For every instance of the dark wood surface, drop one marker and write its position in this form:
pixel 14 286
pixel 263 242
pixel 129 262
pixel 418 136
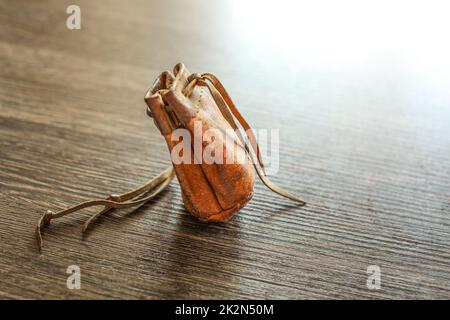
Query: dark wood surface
pixel 365 140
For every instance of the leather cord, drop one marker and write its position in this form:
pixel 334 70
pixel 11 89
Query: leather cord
pixel 126 200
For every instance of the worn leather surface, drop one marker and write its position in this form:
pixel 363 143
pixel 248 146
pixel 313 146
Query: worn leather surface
pixel 211 192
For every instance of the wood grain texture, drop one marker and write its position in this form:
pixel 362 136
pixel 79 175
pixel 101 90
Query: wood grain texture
pixel 367 145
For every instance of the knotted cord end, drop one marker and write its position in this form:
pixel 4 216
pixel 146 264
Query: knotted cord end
pixel 43 221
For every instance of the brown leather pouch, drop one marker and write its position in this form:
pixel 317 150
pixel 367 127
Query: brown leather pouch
pixel 210 191
pixel 213 187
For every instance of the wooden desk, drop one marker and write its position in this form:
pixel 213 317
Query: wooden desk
pixel 364 139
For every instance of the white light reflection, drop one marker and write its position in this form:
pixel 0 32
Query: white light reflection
pixel 346 31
